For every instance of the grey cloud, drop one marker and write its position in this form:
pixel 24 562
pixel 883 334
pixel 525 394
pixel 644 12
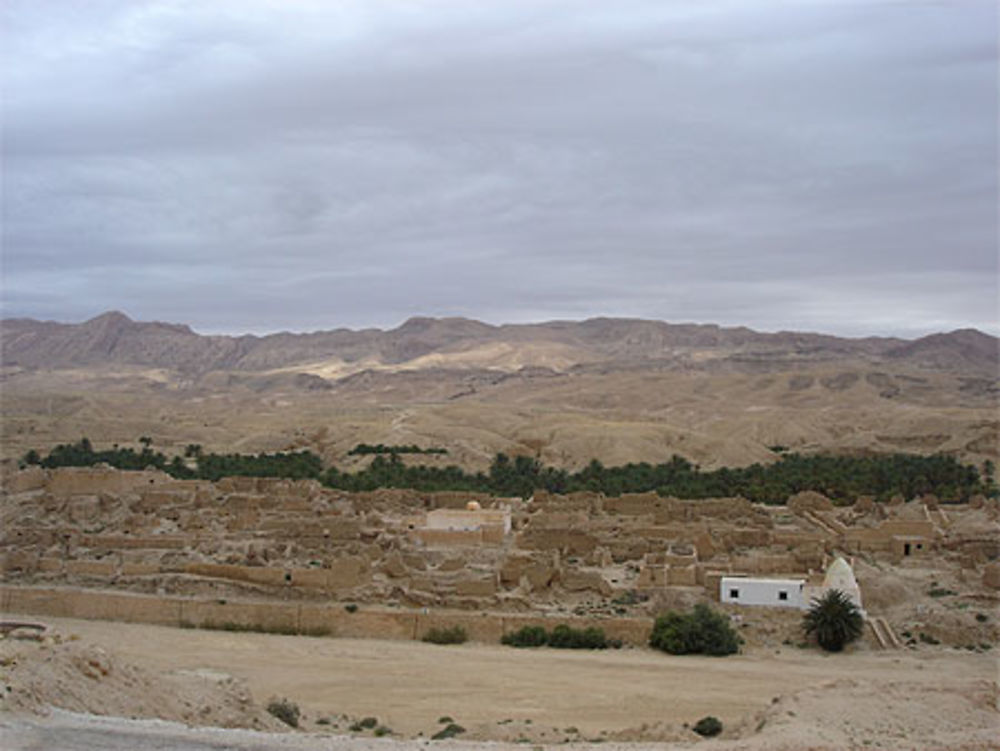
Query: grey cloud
pixel 239 165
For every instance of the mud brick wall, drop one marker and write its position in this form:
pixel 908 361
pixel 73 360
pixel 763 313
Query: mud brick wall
pixel 335 620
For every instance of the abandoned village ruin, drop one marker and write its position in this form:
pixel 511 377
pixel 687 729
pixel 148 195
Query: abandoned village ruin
pixel 294 555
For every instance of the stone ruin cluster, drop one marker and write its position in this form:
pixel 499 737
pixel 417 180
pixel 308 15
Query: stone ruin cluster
pixel 297 540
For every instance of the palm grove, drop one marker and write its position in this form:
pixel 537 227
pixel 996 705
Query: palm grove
pixel 841 478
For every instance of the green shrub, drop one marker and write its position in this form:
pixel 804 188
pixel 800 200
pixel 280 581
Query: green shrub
pixel 941 592
pixel 382 730
pixel 565 637
pixel 529 636
pixel 703 631
pixel 561 637
pixel 708 726
pixel 351 607
pixel 285 710
pixel 449 731
pixel 453 635
pixel 628 597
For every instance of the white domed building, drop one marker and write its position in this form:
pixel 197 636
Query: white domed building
pixel 839 575
pixel 790 593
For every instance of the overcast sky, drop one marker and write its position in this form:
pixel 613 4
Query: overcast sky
pixel 259 165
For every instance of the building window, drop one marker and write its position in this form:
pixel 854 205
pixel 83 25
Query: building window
pixel 782 595
pixel 734 594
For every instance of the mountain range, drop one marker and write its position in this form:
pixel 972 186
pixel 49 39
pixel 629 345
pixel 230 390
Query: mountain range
pixel 114 339
pixel 617 390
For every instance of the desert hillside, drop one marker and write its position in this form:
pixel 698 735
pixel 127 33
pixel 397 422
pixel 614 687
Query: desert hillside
pixel 614 389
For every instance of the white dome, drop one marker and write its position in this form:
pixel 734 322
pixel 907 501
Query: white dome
pixel 840 576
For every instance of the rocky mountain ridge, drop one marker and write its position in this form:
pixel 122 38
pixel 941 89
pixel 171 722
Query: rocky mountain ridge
pixel 433 343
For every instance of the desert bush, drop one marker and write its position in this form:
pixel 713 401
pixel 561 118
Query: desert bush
pixel 834 620
pixel 703 631
pixel 529 636
pixel 941 592
pixel 565 637
pixel 453 635
pixel 351 607
pixel 382 730
pixel 285 710
pixel 257 628
pixel 708 726
pixel 561 637
pixel 448 731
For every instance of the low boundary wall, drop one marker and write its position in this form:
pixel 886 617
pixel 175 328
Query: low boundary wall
pixel 366 623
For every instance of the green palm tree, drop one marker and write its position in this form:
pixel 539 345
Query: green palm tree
pixel 834 620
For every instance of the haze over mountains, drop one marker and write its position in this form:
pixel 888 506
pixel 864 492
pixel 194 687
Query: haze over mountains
pixel 614 389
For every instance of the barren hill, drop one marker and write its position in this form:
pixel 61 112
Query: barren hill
pixel 615 389
pixel 113 338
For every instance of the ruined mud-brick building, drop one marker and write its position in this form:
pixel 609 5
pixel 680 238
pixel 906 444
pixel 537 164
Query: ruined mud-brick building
pixel 299 541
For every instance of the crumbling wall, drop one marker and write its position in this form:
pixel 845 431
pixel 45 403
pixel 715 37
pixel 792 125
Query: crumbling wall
pixel 336 620
pixel 570 541
pixel 68 481
pixel 26 480
pixel 447 538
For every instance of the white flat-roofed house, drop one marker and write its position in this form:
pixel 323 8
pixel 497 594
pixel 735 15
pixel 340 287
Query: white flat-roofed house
pixel 775 593
pixel 790 593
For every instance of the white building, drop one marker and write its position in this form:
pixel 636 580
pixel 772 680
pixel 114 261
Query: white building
pixel 790 593
pixel 776 593
pixel 839 575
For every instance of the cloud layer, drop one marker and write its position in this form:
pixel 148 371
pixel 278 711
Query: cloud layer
pixel 264 164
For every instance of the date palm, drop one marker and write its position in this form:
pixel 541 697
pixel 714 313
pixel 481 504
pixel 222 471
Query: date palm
pixel 834 620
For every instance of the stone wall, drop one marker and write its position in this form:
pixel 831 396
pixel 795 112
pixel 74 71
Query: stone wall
pixel 447 538
pixel 69 481
pixel 336 620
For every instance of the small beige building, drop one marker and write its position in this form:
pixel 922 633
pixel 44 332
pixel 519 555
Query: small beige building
pixel 469 526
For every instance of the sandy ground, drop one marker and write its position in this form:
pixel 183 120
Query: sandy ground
pixel 768 699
